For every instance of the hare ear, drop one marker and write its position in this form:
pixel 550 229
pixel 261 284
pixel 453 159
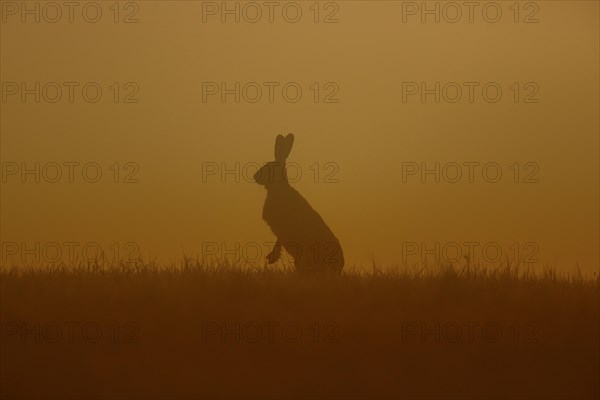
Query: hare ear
pixel 283 147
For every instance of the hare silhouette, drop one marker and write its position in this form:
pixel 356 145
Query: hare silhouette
pixel 299 229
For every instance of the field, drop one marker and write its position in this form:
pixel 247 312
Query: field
pixel 196 331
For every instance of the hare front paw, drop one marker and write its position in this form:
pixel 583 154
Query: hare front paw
pixel 273 256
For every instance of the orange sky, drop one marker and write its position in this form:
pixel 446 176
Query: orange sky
pixel 358 130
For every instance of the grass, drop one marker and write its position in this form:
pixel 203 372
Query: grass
pixel 190 329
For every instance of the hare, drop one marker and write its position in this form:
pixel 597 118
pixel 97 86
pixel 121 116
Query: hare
pixel 299 229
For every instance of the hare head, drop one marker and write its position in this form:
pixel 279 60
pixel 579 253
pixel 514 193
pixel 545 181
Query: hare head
pixel 274 172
